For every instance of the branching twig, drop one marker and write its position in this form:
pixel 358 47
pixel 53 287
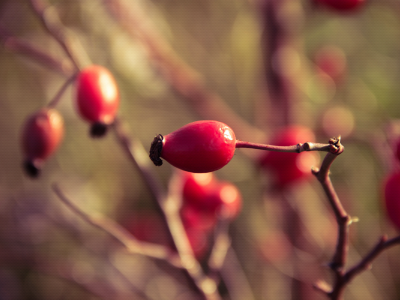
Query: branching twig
pixel 52 23
pixel 120 234
pixel 62 66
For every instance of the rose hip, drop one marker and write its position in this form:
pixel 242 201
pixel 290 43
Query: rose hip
pixel 42 134
pixel 198 147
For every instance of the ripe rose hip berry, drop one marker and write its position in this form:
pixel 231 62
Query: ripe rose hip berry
pixel 391 190
pixel 97 97
pixel 42 133
pixel 342 5
pixel 198 147
pixel 287 168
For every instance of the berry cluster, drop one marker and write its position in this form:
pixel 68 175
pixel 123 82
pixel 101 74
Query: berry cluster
pixel 97 100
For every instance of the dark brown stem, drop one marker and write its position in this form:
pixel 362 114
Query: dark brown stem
pixel 295 148
pixel 342 218
pixel 365 263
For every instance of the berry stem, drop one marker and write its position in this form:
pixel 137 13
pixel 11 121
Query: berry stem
pixel 294 148
pixel 61 92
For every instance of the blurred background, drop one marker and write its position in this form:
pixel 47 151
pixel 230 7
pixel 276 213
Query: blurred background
pixel 257 66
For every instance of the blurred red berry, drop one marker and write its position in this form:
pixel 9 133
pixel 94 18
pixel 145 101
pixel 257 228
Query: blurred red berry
pixel 97 97
pixel 391 189
pixel 197 187
pixel 342 5
pixel 204 194
pixel 331 60
pixel 198 147
pixel 147 227
pixel 42 134
pixel 285 167
pixel 227 200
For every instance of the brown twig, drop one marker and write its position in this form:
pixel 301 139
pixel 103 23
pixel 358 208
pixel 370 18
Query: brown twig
pixel 53 102
pixel 62 66
pixel 120 234
pixel 206 285
pixel 52 23
pixel 295 148
pixel 343 219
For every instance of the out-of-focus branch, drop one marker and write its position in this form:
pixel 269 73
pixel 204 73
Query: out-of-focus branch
pixel 52 23
pixel 188 83
pixel 120 234
pixel 61 91
pixel 13 44
pixel 205 284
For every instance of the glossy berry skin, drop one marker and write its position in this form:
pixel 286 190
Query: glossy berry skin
pixel 97 95
pixel 287 168
pixel 42 134
pixel 198 147
pixel 342 5
pixel 391 190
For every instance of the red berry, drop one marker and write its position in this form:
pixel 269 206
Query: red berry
pixel 204 195
pixel 41 136
pixel 147 227
pixel 193 217
pixel 331 60
pixel 198 147
pixel 392 198
pixel 97 97
pixel 196 188
pixel 290 167
pixel 342 5
pixel 227 200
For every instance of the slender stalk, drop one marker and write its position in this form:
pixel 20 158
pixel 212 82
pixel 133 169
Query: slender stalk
pixel 120 234
pixel 295 148
pixel 56 99
pixel 52 23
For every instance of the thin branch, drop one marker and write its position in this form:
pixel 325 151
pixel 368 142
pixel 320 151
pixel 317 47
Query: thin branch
pixel 294 148
pixel 365 263
pixel 13 44
pixel 61 91
pixel 137 155
pixel 343 219
pixel 52 23
pixel 120 234
pixel 206 285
